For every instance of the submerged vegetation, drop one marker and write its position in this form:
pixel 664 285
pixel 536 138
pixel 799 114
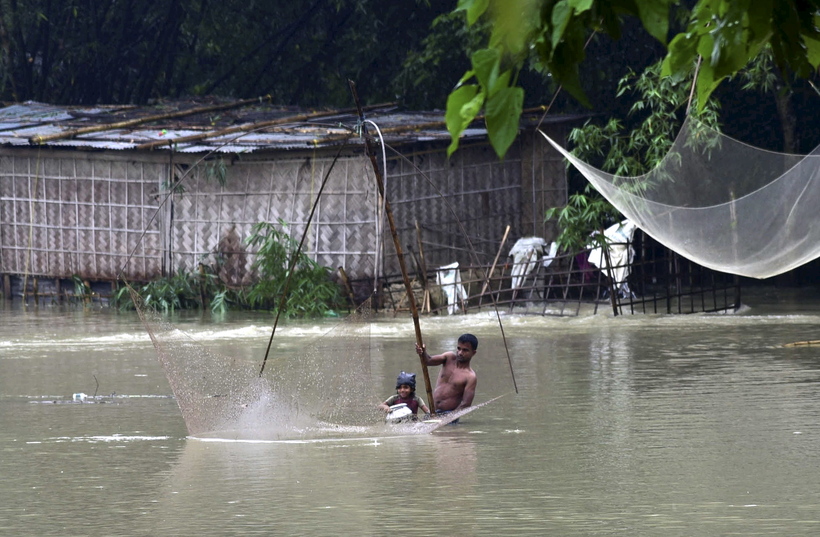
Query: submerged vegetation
pixel 309 292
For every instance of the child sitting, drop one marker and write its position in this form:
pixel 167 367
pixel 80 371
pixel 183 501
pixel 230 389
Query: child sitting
pixel 405 394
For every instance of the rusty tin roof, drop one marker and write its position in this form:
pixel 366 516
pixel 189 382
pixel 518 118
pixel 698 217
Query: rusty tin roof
pixel 216 126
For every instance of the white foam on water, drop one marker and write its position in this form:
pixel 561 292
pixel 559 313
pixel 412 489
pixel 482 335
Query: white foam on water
pixel 108 438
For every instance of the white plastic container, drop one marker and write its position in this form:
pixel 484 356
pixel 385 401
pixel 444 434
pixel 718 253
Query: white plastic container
pixel 399 412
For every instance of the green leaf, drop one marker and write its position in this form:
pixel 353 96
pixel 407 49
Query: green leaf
pixel 654 15
pixel 563 64
pixel 501 82
pixel 474 9
pixel 561 14
pixel 706 84
pixel 486 64
pixel 580 6
pixel 454 117
pixel 759 15
pixel 503 113
pixel 568 76
pixel 812 50
pixel 678 61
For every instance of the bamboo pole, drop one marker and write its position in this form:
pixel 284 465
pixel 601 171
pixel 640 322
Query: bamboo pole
pixel 423 269
pixel 422 279
pixel 389 212
pixel 810 343
pixel 438 124
pixel 495 261
pixel 258 125
pixel 610 271
pixel 40 139
pixel 295 257
pixel 348 288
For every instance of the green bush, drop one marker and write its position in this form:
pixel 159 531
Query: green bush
pixel 310 292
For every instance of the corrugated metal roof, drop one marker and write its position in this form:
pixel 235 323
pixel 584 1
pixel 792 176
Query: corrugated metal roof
pixel 201 127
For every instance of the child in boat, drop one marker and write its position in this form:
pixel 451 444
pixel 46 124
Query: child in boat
pixel 405 394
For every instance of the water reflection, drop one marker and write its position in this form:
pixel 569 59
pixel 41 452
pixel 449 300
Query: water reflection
pixel 327 487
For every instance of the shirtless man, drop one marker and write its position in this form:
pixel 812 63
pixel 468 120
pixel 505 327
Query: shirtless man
pixel 455 387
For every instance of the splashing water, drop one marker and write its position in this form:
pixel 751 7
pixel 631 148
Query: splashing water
pixel 323 390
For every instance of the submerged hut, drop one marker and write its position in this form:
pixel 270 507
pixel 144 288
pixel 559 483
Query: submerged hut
pixel 98 193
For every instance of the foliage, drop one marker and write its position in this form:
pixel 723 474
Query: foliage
pixel 585 211
pixel 309 292
pixel 726 34
pixel 180 291
pixel 657 112
pixel 442 53
pixel 217 171
pixel 81 288
pixel 299 52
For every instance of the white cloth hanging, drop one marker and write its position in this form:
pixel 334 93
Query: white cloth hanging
pixel 448 278
pixel 527 252
pixel 619 241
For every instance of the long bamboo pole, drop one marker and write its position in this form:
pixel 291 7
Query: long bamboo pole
pixel 40 139
pixel 430 125
pixel 423 270
pixel 295 257
pixel 258 125
pixel 495 261
pixel 389 212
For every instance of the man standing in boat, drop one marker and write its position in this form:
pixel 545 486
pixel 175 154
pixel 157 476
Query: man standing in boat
pixel 455 387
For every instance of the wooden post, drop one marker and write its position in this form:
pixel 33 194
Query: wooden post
pixel 389 212
pixel 201 286
pixel 495 261
pixel 423 270
pixel 609 270
pixel 348 288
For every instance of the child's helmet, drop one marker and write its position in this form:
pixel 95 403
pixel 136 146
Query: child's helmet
pixel 406 378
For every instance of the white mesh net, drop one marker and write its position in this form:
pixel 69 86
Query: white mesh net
pixel 723 204
pixel 322 389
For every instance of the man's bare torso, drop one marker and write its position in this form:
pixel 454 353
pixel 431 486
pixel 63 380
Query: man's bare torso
pixel 452 381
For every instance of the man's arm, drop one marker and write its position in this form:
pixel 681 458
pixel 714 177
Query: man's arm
pixel 469 393
pixel 438 359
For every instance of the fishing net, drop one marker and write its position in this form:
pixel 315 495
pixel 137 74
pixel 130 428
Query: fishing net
pixel 721 203
pixel 321 389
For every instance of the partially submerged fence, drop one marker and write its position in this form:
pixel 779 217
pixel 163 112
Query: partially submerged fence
pixel 659 282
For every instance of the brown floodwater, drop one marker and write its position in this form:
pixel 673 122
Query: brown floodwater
pixel 696 425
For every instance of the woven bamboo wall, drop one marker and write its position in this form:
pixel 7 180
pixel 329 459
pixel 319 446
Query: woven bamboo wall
pixel 85 213
pixel 473 194
pixel 211 222
pixel 543 181
pixel 78 215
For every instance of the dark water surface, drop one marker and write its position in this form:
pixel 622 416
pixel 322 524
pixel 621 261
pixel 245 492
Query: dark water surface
pixel 648 425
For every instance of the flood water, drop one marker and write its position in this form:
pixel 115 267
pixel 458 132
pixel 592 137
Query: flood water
pixel 697 425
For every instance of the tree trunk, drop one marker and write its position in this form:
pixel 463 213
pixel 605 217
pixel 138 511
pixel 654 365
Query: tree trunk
pixel 788 120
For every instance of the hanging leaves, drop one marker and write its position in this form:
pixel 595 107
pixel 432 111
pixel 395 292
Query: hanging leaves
pixel 726 34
